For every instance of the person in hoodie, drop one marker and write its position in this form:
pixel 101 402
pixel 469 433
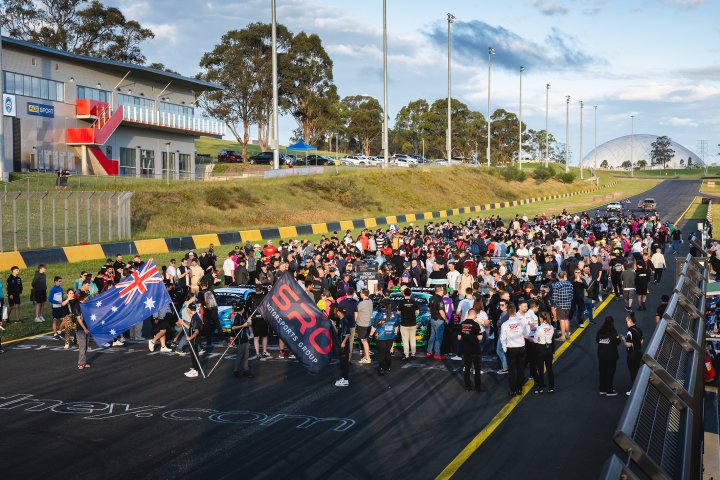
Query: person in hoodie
pixel 608 342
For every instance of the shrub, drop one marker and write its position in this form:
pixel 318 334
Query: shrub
pixel 543 173
pixel 568 177
pixel 513 173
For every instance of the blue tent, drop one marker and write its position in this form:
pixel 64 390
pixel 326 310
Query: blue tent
pixel 301 146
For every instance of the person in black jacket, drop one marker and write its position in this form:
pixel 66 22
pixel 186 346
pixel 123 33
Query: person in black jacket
pixel 39 292
pixel 608 341
pixel 633 343
pixel 14 290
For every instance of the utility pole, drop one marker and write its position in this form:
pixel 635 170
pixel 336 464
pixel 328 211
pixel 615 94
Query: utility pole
pixel 581 139
pixel 385 91
pixel 520 129
pixel 632 145
pixel 595 147
pixel 448 142
pixel 567 133
pixel 491 52
pixel 547 150
pixel 275 130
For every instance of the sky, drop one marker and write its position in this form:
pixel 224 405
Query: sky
pixel 656 60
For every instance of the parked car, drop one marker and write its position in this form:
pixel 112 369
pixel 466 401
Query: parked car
pixel 404 160
pixel 319 160
pixel 614 207
pixel 420 159
pixel 356 160
pixel 423 319
pixel 265 158
pixel 229 156
pixel 226 298
pixel 647 205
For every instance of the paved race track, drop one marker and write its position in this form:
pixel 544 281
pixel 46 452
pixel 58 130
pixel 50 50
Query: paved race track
pixel 134 414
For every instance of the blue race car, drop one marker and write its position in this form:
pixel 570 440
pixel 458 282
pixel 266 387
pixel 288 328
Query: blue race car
pixel 226 297
pixel 423 318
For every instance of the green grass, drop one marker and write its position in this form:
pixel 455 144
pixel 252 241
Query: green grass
pixel 705 188
pixel 698 210
pixel 683 173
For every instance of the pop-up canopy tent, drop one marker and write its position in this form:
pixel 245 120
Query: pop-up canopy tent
pixel 301 146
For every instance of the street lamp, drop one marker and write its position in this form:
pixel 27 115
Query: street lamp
pixel 567 133
pixel 522 69
pixel 547 96
pixel 581 139
pixel 385 90
pixel 491 52
pixel 632 144
pixel 595 143
pixel 275 130
pixel 448 143
pixel 167 161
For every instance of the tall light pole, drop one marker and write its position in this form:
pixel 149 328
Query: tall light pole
pixel 4 175
pixel 520 129
pixel 491 52
pixel 385 90
pixel 275 130
pixel 632 144
pixel 547 150
pixel 567 133
pixel 448 141
pixel 581 139
pixel 595 143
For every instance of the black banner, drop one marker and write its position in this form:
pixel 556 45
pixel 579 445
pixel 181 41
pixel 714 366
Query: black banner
pixel 298 322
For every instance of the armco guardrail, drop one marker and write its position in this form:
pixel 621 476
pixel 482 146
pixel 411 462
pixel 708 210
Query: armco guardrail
pixel 661 429
pixel 98 251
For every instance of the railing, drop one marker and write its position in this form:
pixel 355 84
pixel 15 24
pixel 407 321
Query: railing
pixel 661 429
pixel 150 116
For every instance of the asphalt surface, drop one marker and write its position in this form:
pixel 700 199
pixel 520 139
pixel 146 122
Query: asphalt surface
pixel 134 413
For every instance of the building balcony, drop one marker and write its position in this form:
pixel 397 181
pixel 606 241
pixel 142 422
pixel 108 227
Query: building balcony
pixel 172 121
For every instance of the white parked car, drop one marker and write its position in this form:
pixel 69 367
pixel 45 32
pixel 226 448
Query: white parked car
pixel 614 207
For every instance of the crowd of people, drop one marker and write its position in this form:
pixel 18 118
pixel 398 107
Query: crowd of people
pixel 511 289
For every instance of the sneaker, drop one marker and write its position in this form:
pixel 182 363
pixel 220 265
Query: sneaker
pixel 201 352
pixel 281 355
pixel 180 353
pixel 119 343
pixel 611 394
pixel 106 345
pixel 266 355
pixel 39 320
pixel 364 361
pixel 56 335
pixel 165 350
pixel 438 357
pixel 2 329
pixel 581 325
pixel 552 390
pixel 429 355
pixel 628 393
pixel 86 365
pixel 602 393
pixel 191 374
pixel 291 356
pixel 42 318
pixel 342 383
pixel 67 345
pixel 151 345
pixel 455 357
pixel 538 390
pixel 503 371
pixel 81 366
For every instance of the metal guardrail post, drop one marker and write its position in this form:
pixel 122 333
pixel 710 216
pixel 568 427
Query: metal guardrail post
pixel 77 218
pixel 89 219
pixel 14 208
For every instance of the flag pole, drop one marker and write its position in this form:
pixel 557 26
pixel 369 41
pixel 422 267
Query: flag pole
pixel 187 336
pixel 232 342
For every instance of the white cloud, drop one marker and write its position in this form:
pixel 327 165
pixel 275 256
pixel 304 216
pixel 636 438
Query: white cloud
pixel 685 4
pixel 680 122
pixel 655 92
pixel 165 32
pixel 550 9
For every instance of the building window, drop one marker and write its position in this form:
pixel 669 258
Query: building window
pixel 176 109
pixel 168 167
pixel 127 162
pixel 184 160
pixel 29 86
pixel 93 94
pixel 133 101
pixel 147 163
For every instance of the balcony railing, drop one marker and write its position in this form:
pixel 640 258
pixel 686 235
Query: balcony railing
pixel 150 116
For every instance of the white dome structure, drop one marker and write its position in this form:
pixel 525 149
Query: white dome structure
pixel 619 150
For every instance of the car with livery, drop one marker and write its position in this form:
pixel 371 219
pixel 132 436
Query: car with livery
pixel 423 319
pixel 226 298
pixel 647 205
pixel 614 207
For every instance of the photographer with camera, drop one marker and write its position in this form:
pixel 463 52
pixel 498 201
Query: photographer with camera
pixel 242 340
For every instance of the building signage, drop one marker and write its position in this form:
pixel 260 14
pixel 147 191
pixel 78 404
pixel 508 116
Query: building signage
pixel 40 110
pixel 9 105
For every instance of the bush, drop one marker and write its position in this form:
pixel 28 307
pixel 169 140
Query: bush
pixel 543 173
pixel 566 177
pixel 513 173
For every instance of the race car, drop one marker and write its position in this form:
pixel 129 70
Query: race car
pixel 225 298
pixel 614 207
pixel 647 205
pixel 423 319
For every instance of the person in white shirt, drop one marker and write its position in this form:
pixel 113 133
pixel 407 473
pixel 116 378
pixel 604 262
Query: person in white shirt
pixel 465 305
pixel 453 277
pixel 544 354
pixel 229 269
pixel 172 270
pixel 512 338
pixel 658 261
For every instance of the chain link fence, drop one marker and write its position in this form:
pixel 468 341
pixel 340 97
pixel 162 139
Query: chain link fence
pixel 40 219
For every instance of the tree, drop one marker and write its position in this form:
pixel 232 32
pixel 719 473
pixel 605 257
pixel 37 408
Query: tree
pixel 604 164
pixel 504 143
pixel 689 162
pixel 76 26
pixel 240 64
pixel 534 143
pixel 682 162
pixel 409 127
pixel 162 67
pixel 642 163
pixel 661 151
pixel 626 165
pixel 365 120
pixel 307 85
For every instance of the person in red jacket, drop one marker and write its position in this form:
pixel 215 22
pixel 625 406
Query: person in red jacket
pixel 269 249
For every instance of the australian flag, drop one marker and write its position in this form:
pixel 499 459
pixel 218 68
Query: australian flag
pixel 125 304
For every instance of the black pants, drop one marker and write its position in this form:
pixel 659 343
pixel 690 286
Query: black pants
pixel 577 308
pixel 617 286
pixel 544 358
pixel 658 274
pixel 531 359
pixel 383 351
pixel 607 374
pixel 194 354
pixel 634 360
pixel 472 361
pixel 345 361
pixel 516 365
pixel 212 322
